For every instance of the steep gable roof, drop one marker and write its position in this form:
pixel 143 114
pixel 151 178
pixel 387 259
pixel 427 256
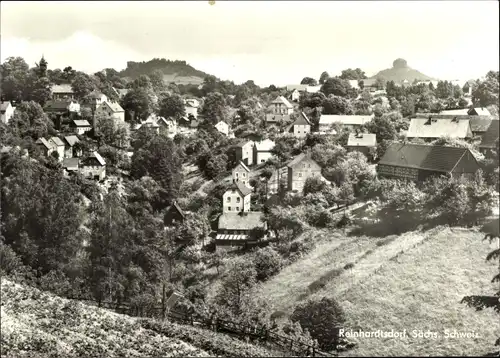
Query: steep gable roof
pixel 245 221
pixel 302 120
pixel 70 163
pixel 98 157
pixel 47 144
pixel 241 164
pixel 242 143
pixel 491 135
pixel 301 157
pixel 435 127
pixel 57 141
pixel 71 140
pixel 283 100
pixel 362 140
pixel 244 190
pixel 428 157
pixel 4 106
pixel 115 106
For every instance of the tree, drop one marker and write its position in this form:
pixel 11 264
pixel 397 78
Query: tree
pixel 337 105
pixel 267 263
pixel 30 120
pixel 486 92
pixel 240 277
pixel 337 87
pixel 480 302
pixel 324 76
pixel 113 132
pixel 172 106
pixel 156 79
pixel 138 101
pixel 385 126
pixel 160 159
pixel 214 107
pixel 313 185
pixel 309 81
pixel 14 72
pixel 322 319
pixel 82 86
pixel 351 74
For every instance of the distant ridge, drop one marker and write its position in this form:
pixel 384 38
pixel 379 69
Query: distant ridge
pixel 400 71
pixel 176 71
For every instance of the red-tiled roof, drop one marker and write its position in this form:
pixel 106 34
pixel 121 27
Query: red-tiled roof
pixel 429 157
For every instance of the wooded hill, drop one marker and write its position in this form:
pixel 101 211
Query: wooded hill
pixel 401 71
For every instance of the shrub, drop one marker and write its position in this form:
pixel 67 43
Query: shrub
pixel 322 319
pixel 268 262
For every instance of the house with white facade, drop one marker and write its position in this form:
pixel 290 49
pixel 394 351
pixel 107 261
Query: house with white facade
pixel 262 151
pixel 111 109
pixel 223 128
pixel 281 106
pixel 191 106
pixel 93 166
pixel 301 126
pixel 59 147
pixel 241 173
pixel 6 112
pixel 244 152
pixel 80 126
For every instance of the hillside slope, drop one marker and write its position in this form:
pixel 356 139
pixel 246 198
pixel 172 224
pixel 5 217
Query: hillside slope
pixel 400 71
pixel 36 323
pixel 414 281
pixel 174 71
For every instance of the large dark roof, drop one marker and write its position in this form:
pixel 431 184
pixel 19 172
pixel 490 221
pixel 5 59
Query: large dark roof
pixel 491 135
pixel 429 157
pixel 302 120
pixel 238 221
pixel 479 125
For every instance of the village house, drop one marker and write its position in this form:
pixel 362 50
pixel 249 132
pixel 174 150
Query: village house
pixel 120 92
pixel 303 88
pixel 418 162
pixel 62 106
pixel 64 91
pixel 191 107
pixel 234 228
pixel 353 122
pixel 237 198
pixel 241 173
pixel 167 126
pixel 111 109
pixel 301 168
pixel 301 126
pixel 71 165
pixel 354 83
pixel 262 151
pixel 151 123
pixel 93 166
pixel 80 126
pixel 362 142
pixel 277 119
pixel 222 127
pixel 174 215
pixel 70 150
pixel 6 112
pixel 489 139
pixel 467 112
pixel 58 147
pixel 97 98
pixel 244 152
pixel 432 127
pixel 281 106
pixel 46 146
pixel 295 95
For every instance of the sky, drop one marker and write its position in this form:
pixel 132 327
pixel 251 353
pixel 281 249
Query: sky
pixel 269 42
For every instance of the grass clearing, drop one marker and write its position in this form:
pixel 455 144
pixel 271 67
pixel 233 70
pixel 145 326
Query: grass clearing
pixel 414 281
pixel 422 290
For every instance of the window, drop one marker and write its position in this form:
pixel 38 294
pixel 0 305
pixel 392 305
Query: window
pixel 228 208
pixel 244 175
pixel 228 199
pixel 238 200
pixel 237 175
pixel 237 208
pixel 300 175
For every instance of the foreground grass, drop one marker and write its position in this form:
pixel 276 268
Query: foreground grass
pixel 421 290
pixel 414 281
pixel 36 323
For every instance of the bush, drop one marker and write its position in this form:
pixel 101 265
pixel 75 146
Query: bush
pixel 322 319
pixel 268 262
pixel 344 221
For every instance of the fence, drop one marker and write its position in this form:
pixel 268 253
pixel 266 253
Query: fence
pixel 240 330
